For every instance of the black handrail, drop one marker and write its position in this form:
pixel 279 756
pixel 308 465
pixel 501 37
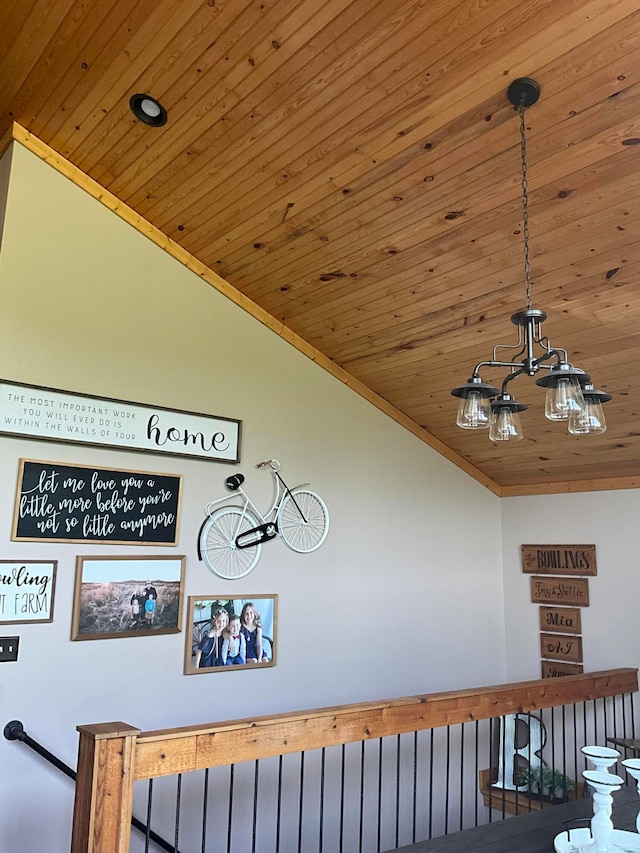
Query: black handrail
pixel 14 730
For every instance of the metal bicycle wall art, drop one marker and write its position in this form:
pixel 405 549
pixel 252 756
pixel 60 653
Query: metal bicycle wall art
pixel 231 537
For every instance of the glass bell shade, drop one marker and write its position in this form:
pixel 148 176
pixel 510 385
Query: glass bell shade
pixel 564 396
pixel 474 411
pixel 591 419
pixel 505 425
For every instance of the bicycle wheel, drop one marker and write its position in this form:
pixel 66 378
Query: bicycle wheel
pixel 307 531
pixel 218 543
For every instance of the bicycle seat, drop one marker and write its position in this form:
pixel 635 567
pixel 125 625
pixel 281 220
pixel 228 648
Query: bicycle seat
pixel 234 481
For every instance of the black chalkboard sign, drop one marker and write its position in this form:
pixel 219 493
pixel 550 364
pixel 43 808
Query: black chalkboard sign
pixel 77 503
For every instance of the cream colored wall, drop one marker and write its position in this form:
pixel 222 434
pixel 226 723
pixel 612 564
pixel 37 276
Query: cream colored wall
pixel 610 624
pixel 5 171
pixel 395 602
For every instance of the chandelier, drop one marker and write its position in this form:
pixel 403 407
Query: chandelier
pixel 571 395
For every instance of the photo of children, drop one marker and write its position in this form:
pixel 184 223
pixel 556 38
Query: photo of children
pixel 209 651
pixel 112 599
pixel 234 646
pixel 230 634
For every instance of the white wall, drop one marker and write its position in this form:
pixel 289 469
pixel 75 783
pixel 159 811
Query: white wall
pixel 610 625
pixel 88 305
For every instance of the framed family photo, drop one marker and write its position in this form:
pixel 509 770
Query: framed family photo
pixel 127 597
pixel 227 634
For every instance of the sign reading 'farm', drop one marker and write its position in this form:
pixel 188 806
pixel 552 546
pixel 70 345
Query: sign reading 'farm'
pixel 559 559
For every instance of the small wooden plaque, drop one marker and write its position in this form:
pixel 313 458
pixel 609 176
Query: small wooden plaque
pixel 561 647
pixel 556 669
pixel 561 620
pixel 559 559
pixel 573 591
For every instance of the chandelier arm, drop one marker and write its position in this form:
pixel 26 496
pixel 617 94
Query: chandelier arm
pixel 552 353
pixel 542 340
pixel 520 346
pixel 493 363
pixel 521 343
pixel 560 354
pixel 509 377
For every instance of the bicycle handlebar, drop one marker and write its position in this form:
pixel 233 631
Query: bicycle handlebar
pixel 272 462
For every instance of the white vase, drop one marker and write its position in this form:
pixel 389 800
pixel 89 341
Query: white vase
pixel 632 766
pixel 603 784
pixel 602 757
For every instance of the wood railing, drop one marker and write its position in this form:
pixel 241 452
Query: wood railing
pixel 112 756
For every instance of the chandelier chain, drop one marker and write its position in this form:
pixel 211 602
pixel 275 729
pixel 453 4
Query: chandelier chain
pixel 525 203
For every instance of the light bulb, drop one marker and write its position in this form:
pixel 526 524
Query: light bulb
pixel 505 425
pixel 563 398
pixel 474 411
pixel 590 420
pixel 150 107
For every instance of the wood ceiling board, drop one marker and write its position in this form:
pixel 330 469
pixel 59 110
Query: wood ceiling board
pixel 270 188
pixel 318 91
pixel 424 229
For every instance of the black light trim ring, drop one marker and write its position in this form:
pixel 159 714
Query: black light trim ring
pixel 136 101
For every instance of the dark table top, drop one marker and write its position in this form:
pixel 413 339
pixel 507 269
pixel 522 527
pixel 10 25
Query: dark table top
pixel 530 833
pixel 627 744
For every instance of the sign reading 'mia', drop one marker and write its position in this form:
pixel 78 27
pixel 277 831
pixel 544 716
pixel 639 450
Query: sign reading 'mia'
pixel 35 412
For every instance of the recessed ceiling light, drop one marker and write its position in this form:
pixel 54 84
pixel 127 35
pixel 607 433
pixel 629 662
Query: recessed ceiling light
pixel 148 110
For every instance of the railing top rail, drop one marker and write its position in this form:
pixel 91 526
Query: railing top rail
pixel 518 696
pixel 194 747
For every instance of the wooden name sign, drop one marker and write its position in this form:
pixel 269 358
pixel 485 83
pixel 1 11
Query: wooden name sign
pixel 556 669
pixel 559 647
pixel 560 591
pixel 76 503
pixel 561 620
pixel 559 559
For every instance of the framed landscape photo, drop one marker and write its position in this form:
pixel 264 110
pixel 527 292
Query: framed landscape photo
pixel 127 597
pixel 230 634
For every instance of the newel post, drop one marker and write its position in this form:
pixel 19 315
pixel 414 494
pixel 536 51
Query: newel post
pixel 104 788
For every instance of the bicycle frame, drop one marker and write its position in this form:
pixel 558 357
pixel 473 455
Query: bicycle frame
pixel 280 490
pixel 297 515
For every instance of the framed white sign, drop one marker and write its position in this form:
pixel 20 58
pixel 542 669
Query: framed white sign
pixel 27 588
pixel 35 412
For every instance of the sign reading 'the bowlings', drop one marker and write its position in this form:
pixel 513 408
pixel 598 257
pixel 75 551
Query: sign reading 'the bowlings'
pixel 35 412
pixel 559 559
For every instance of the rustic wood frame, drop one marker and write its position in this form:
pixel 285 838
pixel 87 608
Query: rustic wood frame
pixel 178 478
pixel 123 442
pixel 54 568
pixel 195 628
pixel 133 583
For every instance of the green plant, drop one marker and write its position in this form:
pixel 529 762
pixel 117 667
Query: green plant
pixel 543 780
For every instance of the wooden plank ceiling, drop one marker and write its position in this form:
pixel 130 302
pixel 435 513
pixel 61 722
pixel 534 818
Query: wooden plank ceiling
pixel 352 166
